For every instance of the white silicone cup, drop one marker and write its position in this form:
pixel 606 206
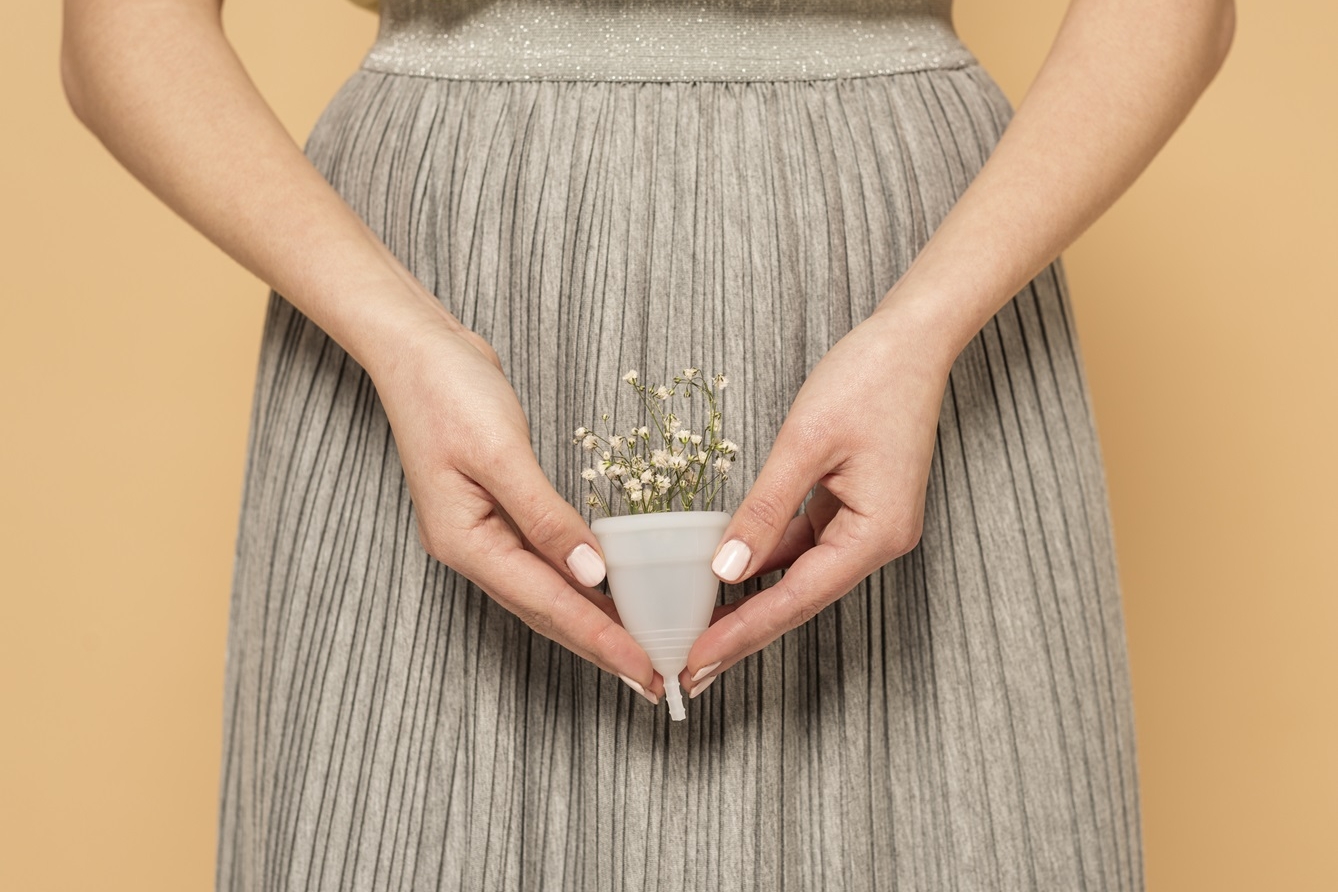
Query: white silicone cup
pixel 659 572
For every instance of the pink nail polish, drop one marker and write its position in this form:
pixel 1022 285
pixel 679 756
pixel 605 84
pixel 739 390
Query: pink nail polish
pixel 585 565
pixel 732 560
pixel 705 671
pixel 639 689
pixel 703 686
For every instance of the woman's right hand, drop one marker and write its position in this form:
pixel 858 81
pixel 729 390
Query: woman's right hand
pixel 485 507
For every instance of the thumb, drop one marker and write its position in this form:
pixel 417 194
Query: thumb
pixel 763 516
pixel 548 522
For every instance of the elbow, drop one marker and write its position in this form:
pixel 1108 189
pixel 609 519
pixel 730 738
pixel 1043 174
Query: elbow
pixel 1223 31
pixel 70 75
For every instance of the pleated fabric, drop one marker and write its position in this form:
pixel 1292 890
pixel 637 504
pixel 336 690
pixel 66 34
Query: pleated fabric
pixel 959 721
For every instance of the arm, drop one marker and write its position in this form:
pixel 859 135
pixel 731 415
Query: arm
pixel 1120 77
pixel 159 84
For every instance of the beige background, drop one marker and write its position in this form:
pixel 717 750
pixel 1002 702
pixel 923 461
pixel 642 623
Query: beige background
pixel 1206 303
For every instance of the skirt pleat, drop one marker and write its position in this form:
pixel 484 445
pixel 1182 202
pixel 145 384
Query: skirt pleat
pixel 961 720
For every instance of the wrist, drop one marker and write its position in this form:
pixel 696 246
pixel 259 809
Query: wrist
pixel 925 323
pixel 386 321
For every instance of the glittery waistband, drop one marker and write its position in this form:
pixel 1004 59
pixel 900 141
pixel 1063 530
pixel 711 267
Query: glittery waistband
pixel 662 41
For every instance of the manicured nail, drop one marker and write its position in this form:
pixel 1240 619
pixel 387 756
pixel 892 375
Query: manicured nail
pixel 703 686
pixel 639 689
pixel 732 560
pixel 705 671
pixel 585 565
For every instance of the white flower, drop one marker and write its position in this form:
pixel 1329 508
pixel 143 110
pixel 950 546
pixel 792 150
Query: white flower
pixel 613 471
pixel 616 441
pixel 683 435
pixel 632 485
pixel 700 458
pixel 581 432
pixel 690 476
pixel 661 483
pixel 589 474
pixel 630 377
pixel 659 458
pixel 589 444
pixel 678 462
pixel 729 447
pixel 671 423
pixel 722 465
pixel 635 495
pixel 690 373
pixel 721 381
pixel 607 455
pixel 647 475
pixel 663 393
pixel 645 432
pixel 592 500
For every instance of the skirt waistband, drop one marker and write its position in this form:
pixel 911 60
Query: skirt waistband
pixel 658 41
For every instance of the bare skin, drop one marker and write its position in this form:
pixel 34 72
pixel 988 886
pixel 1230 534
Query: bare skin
pixel 1119 79
pixel 159 84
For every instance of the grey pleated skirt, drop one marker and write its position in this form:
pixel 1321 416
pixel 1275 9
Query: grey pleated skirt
pixel 959 721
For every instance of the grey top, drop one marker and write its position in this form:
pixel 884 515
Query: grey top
pixel 683 40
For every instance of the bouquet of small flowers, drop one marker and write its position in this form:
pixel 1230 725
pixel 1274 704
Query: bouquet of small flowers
pixel 668 468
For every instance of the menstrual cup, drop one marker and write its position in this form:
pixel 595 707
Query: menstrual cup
pixel 659 572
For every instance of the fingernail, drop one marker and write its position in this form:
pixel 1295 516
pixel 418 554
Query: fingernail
pixel 703 686
pixel 732 560
pixel 639 689
pixel 705 671
pixel 585 565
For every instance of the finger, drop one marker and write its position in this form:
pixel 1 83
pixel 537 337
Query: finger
pixel 527 586
pixel 596 595
pixel 821 509
pixel 764 515
pixel 545 520
pixel 798 538
pixel 819 576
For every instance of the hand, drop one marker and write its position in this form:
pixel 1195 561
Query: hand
pixel 860 435
pixel 485 507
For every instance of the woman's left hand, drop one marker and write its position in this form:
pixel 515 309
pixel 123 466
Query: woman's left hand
pixel 860 435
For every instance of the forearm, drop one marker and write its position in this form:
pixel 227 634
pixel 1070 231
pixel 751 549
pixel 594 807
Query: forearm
pixel 1121 76
pixel 159 84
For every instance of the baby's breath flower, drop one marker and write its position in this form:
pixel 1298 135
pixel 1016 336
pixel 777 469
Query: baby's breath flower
pixel 674 470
